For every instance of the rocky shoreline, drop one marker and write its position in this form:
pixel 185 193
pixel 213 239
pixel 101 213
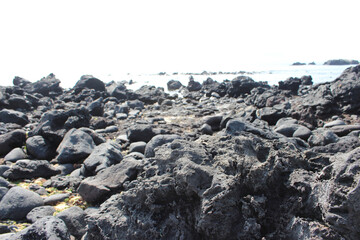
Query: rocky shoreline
pixel 233 160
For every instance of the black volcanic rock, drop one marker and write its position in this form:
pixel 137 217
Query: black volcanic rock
pixel 242 85
pixel 90 82
pixel 12 116
pixel 11 140
pixel 46 86
pixel 173 85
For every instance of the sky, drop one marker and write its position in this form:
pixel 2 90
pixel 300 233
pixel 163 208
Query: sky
pixel 77 37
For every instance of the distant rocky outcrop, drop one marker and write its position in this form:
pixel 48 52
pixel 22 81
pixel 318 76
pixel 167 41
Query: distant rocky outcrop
pixel 341 62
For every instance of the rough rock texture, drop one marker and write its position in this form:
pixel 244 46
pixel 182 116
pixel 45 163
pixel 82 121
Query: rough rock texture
pixel 88 81
pixel 187 187
pixel 46 228
pixel 103 156
pixel 30 169
pixel 109 181
pixel 12 116
pixel 40 212
pixel 54 124
pixel 74 218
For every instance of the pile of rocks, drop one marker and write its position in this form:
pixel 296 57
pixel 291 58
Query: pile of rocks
pixel 233 160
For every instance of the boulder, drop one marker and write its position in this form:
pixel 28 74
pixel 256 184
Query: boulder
pixel 193 86
pixel 45 228
pixel 206 129
pixel 201 182
pixel 15 154
pixel 11 140
pixel 140 133
pixel 157 141
pixel 334 123
pixel 137 147
pixel 96 108
pixel 302 132
pixel 12 116
pixel 3 191
pixel 322 137
pixel 242 85
pixel 18 202
pixel 23 169
pixel 40 212
pixel 19 102
pixel 150 94
pixel 103 156
pixel 271 114
pixel 287 129
pixel 46 86
pixel 76 146
pixel 291 84
pixel 40 148
pixel 90 82
pixel 74 218
pixel 109 181
pixel 174 85
pixel 54 124
pixel 56 198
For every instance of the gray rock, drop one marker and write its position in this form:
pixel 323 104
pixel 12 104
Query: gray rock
pixel 97 138
pixel 53 199
pixel 140 133
pixel 74 218
pixel 64 182
pixel 103 156
pixel 90 82
pixel 337 122
pixel 15 154
pixel 46 228
pixel 65 169
pixel 76 145
pixel 11 140
pixel 303 229
pixel 287 129
pixel 343 145
pixel 96 108
pixel 157 141
pixel 235 127
pixel 322 137
pixel 206 129
pixel 3 191
pixel 40 148
pixel 214 122
pixel 3 168
pixel 4 183
pixel 109 181
pixel 12 116
pixel 344 129
pixel 30 169
pixel 54 124
pixel 40 212
pixel 270 114
pixel 286 121
pixel 174 85
pixel 302 132
pixel 203 183
pixel 18 202
pixel 137 147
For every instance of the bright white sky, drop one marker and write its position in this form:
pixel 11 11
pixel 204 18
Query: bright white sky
pixel 82 37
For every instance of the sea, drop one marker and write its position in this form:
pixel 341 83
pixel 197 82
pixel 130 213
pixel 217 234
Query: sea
pixel 270 74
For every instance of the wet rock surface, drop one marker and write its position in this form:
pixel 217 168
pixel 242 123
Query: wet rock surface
pixel 233 160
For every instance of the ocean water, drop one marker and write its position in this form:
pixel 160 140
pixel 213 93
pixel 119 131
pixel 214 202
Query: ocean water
pixel 270 74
